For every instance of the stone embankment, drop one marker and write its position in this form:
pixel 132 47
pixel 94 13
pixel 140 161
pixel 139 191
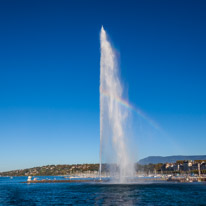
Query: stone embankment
pixel 186 179
pixel 61 181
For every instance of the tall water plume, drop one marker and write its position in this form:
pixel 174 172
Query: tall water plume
pixel 113 116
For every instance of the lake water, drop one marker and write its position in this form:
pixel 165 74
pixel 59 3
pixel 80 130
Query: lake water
pixel 13 192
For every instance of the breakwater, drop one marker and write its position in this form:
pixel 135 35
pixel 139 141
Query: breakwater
pixel 63 181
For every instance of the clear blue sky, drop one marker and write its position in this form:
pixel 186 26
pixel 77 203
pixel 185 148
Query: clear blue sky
pixel 49 77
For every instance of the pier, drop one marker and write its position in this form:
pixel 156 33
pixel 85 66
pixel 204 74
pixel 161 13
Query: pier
pixel 62 181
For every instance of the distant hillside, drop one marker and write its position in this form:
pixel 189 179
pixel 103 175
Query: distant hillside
pixel 53 170
pixel 169 159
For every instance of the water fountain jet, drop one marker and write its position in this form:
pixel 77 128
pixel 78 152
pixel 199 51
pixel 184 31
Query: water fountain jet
pixel 113 117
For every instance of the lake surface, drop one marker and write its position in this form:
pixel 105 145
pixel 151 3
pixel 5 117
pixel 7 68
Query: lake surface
pixel 13 192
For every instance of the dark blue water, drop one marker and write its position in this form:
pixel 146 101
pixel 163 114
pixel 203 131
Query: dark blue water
pixel 12 192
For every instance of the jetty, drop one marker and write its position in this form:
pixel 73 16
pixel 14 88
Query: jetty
pixel 62 181
pixel 186 179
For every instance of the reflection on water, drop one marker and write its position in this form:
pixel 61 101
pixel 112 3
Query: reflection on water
pixel 12 192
